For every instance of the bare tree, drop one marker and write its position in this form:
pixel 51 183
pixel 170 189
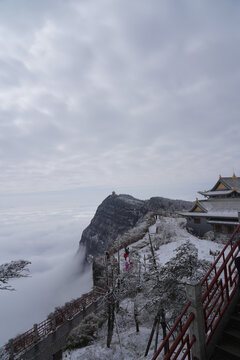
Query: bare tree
pixel 12 270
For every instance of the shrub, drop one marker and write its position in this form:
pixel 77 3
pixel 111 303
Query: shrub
pixel 86 332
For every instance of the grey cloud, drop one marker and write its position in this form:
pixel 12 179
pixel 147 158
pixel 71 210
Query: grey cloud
pixel 91 85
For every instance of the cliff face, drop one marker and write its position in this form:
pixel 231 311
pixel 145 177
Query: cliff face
pixel 116 215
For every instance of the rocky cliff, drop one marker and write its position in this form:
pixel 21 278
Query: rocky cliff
pixel 119 213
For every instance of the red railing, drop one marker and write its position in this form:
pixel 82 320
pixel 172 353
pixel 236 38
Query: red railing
pixel 219 286
pixel 24 341
pixel 182 344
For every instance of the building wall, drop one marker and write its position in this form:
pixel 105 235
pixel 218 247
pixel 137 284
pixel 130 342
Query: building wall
pixel 198 225
pixel 224 229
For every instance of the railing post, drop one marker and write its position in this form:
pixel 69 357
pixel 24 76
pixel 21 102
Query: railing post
pixel 70 311
pixel 197 328
pixel 54 323
pixel 36 335
pixel 84 306
pixel 11 350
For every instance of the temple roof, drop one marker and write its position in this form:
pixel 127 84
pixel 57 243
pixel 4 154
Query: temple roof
pixel 229 182
pixel 215 208
pixel 224 186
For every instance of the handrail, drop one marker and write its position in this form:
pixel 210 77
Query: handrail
pixel 229 242
pixel 219 285
pixel 183 341
pixel 183 330
pixel 39 331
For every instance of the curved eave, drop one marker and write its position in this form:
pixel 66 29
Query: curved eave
pixel 193 214
pixel 223 222
pixel 217 192
pixel 230 214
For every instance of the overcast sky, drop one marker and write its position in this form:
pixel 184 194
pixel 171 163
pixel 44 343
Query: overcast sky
pixel 134 96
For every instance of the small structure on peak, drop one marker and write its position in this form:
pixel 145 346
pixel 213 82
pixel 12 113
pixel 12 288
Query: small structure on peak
pixel 219 210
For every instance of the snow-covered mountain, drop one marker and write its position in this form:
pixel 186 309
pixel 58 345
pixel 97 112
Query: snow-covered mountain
pixel 119 213
pixel 168 239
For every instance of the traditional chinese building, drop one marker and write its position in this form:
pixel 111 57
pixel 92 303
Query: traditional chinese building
pixel 219 210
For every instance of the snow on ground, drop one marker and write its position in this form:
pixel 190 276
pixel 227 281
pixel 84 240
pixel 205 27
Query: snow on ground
pixel 133 347
pixel 167 234
pixel 179 235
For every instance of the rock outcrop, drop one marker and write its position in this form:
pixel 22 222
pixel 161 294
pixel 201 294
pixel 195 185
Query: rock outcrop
pixel 159 203
pixel 116 215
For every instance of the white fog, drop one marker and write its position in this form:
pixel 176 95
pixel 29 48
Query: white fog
pixel 48 236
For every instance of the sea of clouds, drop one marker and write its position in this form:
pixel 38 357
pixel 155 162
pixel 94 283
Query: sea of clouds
pixel 47 235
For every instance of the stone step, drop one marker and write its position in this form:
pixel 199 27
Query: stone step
pixel 232 334
pixel 237 308
pixel 228 350
pixel 229 346
pixel 235 320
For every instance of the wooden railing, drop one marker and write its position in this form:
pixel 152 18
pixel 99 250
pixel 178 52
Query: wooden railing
pixel 218 286
pixel 39 331
pixel 181 347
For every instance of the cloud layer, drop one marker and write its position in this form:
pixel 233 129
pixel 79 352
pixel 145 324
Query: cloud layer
pixel 49 239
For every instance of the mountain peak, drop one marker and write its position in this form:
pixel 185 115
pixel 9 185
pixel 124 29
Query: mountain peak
pixel 119 213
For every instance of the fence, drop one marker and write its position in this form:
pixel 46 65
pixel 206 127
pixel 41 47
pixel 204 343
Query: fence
pixel 39 331
pixel 218 286
pixel 183 342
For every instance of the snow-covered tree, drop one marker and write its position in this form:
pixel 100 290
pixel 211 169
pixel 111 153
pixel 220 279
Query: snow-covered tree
pixel 165 291
pixel 185 266
pixel 12 270
pixel 169 287
pixel 86 332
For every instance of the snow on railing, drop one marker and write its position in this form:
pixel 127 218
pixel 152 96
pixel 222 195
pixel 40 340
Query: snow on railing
pixel 4 355
pixel 219 286
pixel 39 331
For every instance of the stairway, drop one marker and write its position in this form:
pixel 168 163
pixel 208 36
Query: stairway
pixel 229 346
